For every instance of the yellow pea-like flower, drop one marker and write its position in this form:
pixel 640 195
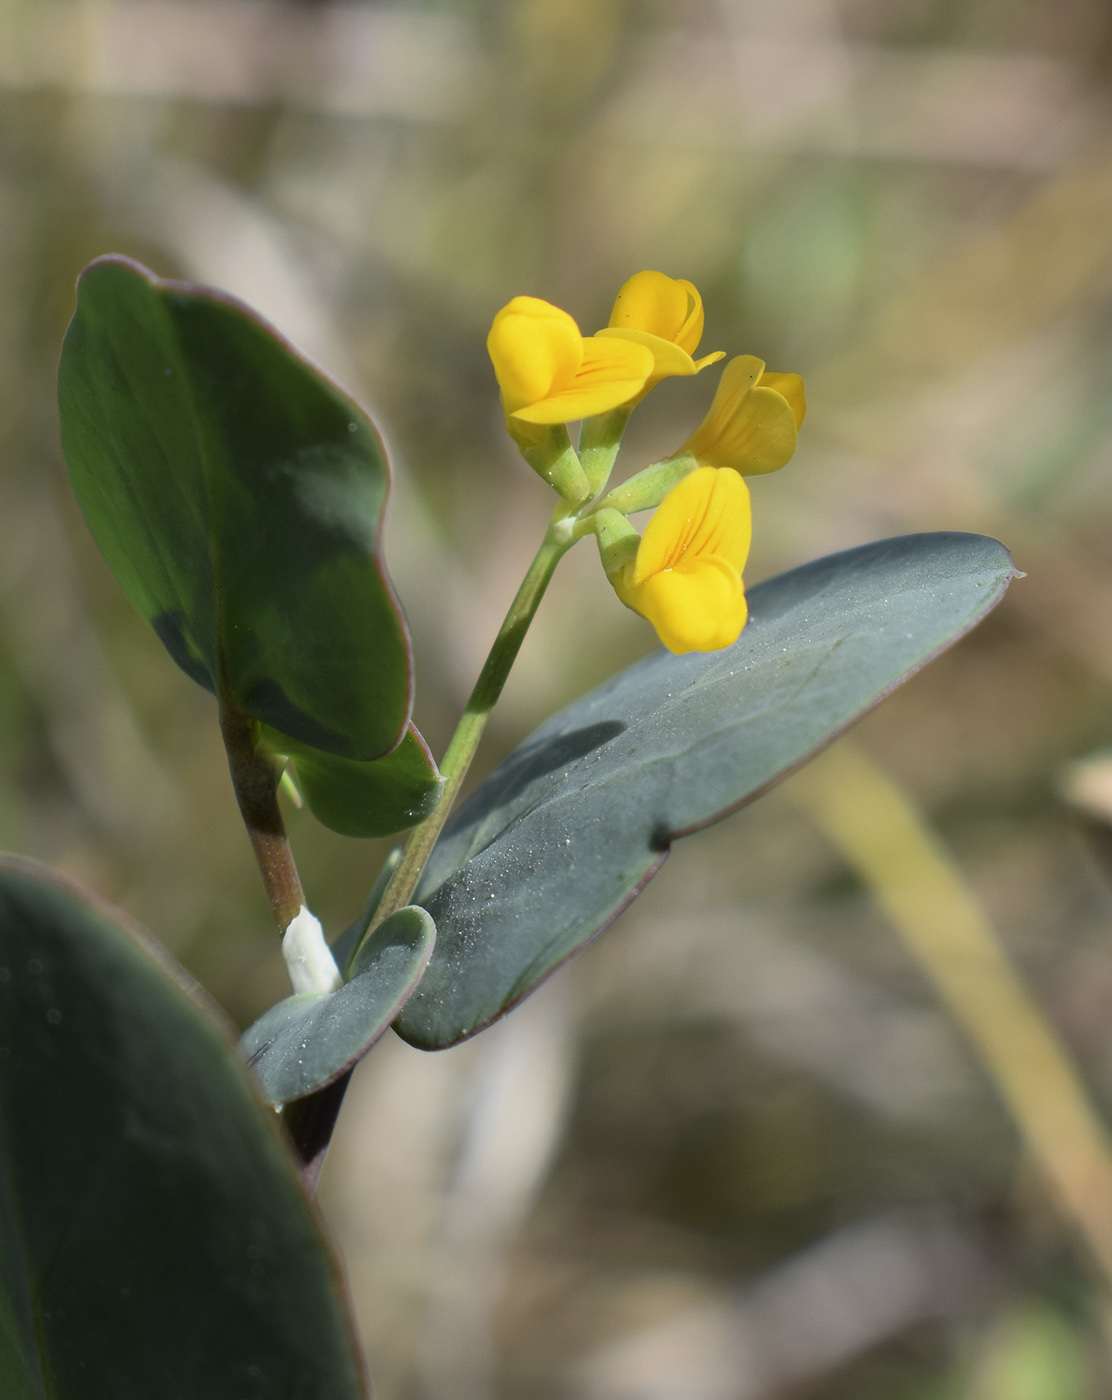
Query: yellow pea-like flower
pixel 753 422
pixel 550 373
pixel 665 315
pixel 686 576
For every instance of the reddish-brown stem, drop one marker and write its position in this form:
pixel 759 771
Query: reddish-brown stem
pixel 308 1121
pixel 255 779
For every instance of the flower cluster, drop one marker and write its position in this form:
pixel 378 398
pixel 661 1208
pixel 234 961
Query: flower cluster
pixel 685 574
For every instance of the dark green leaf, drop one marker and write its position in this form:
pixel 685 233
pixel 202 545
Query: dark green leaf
pixel 238 494
pixel 307 1041
pixel 154 1240
pixel 366 799
pixel 566 832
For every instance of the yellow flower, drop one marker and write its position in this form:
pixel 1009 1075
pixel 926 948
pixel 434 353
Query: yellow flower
pixel 549 373
pixel 753 422
pixel 665 315
pixel 686 577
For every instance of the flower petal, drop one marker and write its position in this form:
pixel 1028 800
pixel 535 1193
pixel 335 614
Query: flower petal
pixel 536 349
pixel 697 607
pixel 750 427
pixel 666 309
pixel 611 373
pixel 686 577
pixel 668 357
pixel 791 386
pixel 738 378
pixel 691 332
pixel 707 513
pixel 656 303
pixel 759 437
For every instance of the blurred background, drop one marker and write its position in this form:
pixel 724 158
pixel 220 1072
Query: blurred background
pixel 738 1149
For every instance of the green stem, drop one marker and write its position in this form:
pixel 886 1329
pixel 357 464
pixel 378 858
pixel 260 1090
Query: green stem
pixel 465 741
pixel 648 487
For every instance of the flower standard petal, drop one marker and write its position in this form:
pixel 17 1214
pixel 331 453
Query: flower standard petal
pixel 664 306
pixel 533 346
pixel 691 332
pixel 708 512
pixel 664 314
pixel 724 528
pixel 549 373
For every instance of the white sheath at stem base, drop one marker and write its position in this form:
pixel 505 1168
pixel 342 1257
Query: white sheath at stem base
pixel 309 960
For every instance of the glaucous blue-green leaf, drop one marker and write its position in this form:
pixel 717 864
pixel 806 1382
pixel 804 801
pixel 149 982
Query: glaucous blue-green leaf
pixel 154 1239
pixel 237 494
pixel 307 1041
pixel 565 833
pixel 366 799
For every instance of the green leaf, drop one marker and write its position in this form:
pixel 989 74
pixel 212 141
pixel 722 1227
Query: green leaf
pixel 569 829
pixel 366 799
pixel 237 494
pixel 154 1239
pixel 307 1041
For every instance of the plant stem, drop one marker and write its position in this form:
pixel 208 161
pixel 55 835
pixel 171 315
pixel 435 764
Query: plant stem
pixel 255 779
pixel 465 741
pixel 311 1120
